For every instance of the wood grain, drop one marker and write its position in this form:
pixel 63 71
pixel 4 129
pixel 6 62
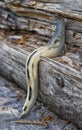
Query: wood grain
pixel 30 24
pixel 60 79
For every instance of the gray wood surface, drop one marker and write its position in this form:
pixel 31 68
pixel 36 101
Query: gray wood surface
pixel 10 110
pixel 30 24
pixel 20 15
pixel 60 79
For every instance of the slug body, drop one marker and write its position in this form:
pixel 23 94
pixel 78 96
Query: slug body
pixel 52 49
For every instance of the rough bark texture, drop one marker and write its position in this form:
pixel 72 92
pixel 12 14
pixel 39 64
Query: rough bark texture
pixel 60 82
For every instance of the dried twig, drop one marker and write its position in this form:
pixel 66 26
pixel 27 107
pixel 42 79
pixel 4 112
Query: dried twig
pixel 28 122
pixel 32 122
pixel 43 121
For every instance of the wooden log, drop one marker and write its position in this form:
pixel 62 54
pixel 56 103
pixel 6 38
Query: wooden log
pixel 60 79
pixel 11 99
pixel 16 15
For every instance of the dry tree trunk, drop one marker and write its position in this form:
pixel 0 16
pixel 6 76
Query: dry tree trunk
pixel 60 79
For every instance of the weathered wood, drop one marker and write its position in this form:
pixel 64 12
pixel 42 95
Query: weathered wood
pixel 10 110
pixel 61 89
pixel 17 15
pixel 60 79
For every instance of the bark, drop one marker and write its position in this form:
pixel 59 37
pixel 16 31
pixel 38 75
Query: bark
pixel 32 24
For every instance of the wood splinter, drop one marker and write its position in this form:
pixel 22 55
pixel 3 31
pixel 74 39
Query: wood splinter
pixel 32 122
pixel 43 121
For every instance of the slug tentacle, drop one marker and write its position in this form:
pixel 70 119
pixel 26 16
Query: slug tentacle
pixel 52 49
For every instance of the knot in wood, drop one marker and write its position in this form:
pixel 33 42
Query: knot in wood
pixel 59 80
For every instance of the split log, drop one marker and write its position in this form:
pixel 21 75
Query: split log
pixel 60 79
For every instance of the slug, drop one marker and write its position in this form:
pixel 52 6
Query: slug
pixel 52 49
